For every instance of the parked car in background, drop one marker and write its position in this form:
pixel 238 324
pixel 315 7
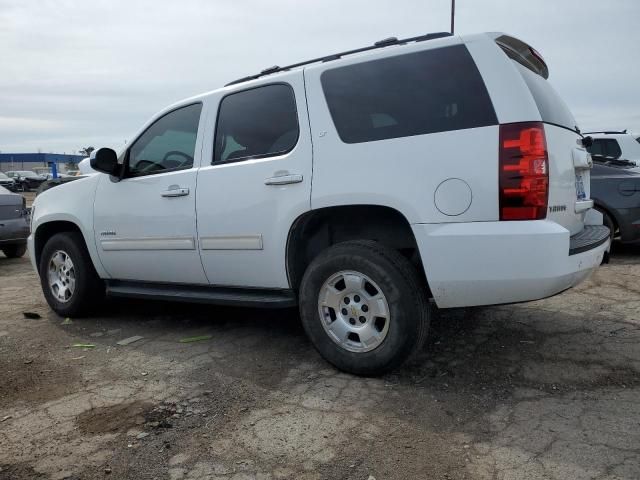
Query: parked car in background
pixel 26 179
pixel 616 145
pixel 615 190
pixel 42 171
pixel 443 167
pixel 14 223
pixel 54 182
pixel 7 182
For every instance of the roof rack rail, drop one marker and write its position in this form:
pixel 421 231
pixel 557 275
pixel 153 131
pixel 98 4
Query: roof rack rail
pixel 607 132
pixel 327 58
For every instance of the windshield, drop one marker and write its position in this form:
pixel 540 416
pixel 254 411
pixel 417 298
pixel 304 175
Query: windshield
pixel 3 176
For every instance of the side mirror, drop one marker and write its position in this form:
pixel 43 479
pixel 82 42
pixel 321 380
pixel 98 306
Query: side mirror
pixel 105 160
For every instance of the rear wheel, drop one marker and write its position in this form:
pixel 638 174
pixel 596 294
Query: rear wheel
pixel 69 281
pixel 364 307
pixel 14 251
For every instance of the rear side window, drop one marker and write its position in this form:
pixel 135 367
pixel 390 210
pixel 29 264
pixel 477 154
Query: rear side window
pixel 551 107
pixel 605 147
pixel 413 94
pixel 256 123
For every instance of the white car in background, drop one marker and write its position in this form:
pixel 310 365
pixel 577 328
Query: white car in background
pixel 443 167
pixel 616 145
pixel 84 167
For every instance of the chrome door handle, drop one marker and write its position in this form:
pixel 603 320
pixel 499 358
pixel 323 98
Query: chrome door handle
pixel 175 192
pixel 283 179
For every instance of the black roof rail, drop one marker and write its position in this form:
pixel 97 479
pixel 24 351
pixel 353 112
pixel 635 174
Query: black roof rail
pixel 607 132
pixel 327 58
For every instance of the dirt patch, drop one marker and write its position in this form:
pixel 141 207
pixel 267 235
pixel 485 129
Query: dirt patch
pixel 547 389
pixel 115 418
pixel 19 471
pixel 30 377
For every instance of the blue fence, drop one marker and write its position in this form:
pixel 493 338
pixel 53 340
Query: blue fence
pixel 28 161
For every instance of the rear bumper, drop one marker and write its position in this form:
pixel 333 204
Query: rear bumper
pixel 9 186
pixel 14 231
pixel 488 263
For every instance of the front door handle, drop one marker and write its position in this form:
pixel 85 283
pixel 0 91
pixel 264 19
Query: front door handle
pixel 283 179
pixel 175 191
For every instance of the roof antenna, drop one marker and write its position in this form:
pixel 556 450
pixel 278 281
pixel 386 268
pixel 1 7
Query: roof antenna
pixel 453 14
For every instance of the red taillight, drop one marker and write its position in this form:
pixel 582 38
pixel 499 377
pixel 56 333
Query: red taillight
pixel 524 171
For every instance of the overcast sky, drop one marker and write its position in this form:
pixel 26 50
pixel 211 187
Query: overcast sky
pixel 91 72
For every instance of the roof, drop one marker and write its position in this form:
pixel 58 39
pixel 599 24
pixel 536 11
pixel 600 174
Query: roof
pixel 335 56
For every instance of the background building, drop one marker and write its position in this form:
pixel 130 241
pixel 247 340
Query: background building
pixel 29 161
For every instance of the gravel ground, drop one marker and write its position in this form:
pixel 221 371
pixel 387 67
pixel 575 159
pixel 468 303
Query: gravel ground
pixel 544 390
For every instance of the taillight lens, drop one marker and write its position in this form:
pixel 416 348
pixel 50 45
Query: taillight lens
pixel 524 171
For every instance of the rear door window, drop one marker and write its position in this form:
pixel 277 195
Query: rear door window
pixel 413 94
pixel 256 123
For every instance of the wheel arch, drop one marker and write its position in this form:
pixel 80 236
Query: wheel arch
pixel 609 211
pixel 317 229
pixel 45 231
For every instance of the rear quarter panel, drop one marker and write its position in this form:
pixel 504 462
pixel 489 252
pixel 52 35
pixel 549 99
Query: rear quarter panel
pixel 619 195
pixel 401 173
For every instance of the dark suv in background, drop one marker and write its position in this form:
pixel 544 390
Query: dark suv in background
pixel 26 179
pixel 14 224
pixel 615 190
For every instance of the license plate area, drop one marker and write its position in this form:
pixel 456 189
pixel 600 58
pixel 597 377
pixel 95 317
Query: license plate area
pixel 581 193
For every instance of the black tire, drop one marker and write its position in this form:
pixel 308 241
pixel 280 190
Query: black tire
pixel 608 222
pixel 14 251
pixel 409 308
pixel 89 288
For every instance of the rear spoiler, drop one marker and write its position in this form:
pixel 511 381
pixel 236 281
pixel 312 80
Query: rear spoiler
pixel 523 54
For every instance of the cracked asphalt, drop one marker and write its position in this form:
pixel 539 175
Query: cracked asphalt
pixel 544 390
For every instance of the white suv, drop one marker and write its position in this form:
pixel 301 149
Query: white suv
pixel 358 186
pixel 616 145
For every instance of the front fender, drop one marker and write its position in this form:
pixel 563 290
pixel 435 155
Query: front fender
pixel 71 202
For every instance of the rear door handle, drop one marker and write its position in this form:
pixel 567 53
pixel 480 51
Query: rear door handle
pixel 175 191
pixel 283 179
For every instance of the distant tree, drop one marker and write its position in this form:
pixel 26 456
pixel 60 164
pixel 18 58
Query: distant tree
pixel 86 151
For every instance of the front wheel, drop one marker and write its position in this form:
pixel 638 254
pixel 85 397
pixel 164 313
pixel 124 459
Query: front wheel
pixel 69 281
pixel 364 307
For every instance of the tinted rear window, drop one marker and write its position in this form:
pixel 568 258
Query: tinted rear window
pixel 256 123
pixel 413 94
pixel 552 108
pixel 605 148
